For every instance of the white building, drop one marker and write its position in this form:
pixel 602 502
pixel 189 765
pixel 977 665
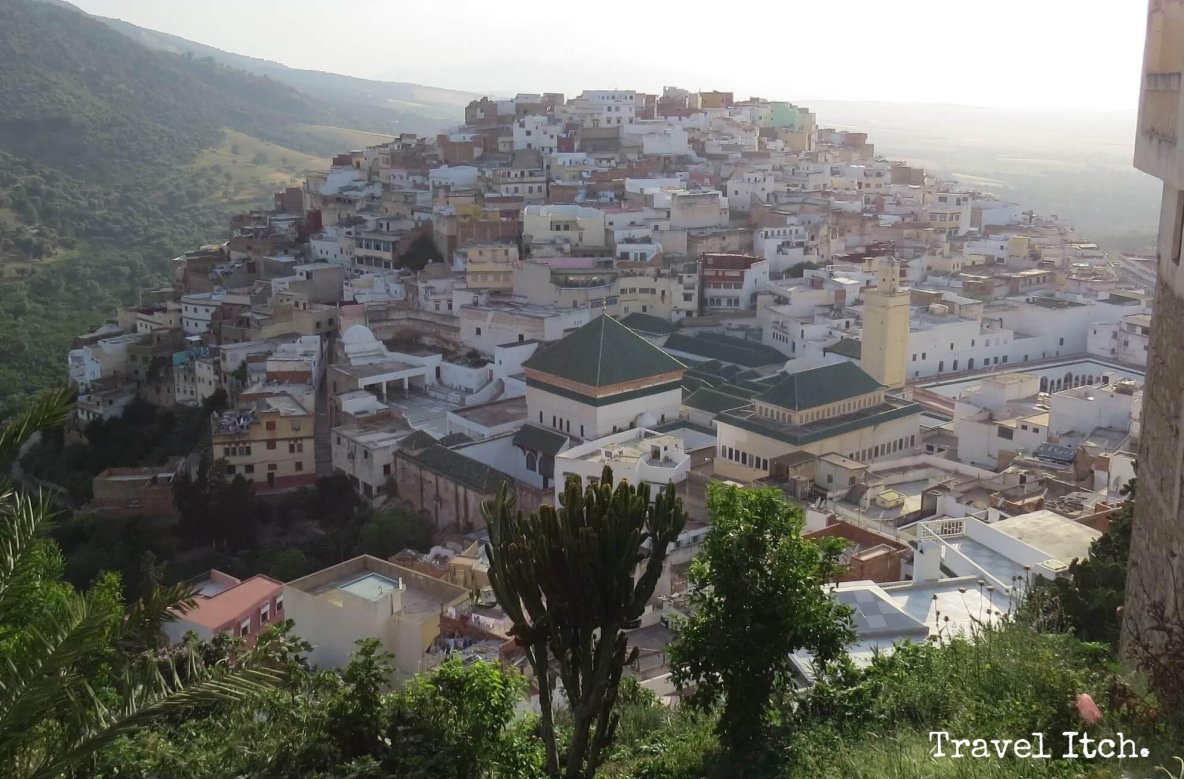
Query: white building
pixel 638 455
pixel 1127 340
pixel 364 450
pixel 537 133
pixel 370 598
pixel 602 379
pixel 999 417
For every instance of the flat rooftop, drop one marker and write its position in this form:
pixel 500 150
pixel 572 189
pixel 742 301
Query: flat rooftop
pixel 499 412
pixel 1059 537
pixel 373 579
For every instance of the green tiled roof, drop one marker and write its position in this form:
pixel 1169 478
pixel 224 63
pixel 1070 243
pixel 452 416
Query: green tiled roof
pixel 848 347
pixel 741 390
pixel 649 324
pixel 820 386
pixel 540 439
pixel 461 469
pixel 713 401
pixel 799 435
pixel 602 353
pixel 417 440
pixel 726 349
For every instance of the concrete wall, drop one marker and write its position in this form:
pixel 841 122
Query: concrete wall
pixel 585 421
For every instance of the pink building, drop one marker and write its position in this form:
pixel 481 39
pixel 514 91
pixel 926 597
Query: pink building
pixel 224 604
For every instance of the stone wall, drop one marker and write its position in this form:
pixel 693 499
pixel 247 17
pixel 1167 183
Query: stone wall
pixel 1157 541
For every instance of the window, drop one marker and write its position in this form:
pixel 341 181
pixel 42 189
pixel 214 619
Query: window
pixel 1004 432
pixel 264 612
pixel 244 627
pixel 272 466
pixel 271 444
pixel 249 468
pixel 478 331
pixel 386 469
pixel 299 466
pixel 270 425
pixel 297 424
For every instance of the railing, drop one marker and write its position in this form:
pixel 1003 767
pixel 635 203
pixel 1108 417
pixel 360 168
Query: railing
pixel 943 528
pixel 939 531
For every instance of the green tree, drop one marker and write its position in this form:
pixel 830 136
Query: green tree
pixel 419 253
pixel 1090 598
pixel 214 509
pixel 757 595
pixel 85 672
pixel 288 564
pixel 571 580
pixel 392 530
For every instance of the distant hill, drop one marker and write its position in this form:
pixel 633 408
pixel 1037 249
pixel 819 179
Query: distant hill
pixel 1073 163
pixel 380 106
pixel 80 97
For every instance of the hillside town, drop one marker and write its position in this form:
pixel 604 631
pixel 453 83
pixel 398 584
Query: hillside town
pixel 686 287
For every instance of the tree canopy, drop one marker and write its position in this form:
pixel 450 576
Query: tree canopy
pixel 757 595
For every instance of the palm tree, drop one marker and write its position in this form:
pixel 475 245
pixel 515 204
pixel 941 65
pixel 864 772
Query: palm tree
pixel 77 671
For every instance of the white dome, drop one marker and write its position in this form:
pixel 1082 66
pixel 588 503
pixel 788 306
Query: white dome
pixel 358 335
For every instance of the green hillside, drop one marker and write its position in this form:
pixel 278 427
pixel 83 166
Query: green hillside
pixel 113 158
pixel 381 106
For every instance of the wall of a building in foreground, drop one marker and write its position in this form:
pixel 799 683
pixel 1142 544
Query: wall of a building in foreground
pixel 1156 572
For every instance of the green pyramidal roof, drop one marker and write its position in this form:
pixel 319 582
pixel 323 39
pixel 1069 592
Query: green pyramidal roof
pixel 602 353
pixel 820 386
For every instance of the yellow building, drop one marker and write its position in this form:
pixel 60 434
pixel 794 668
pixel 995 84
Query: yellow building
pixel 489 265
pixel 833 408
pixel 886 327
pixel 269 442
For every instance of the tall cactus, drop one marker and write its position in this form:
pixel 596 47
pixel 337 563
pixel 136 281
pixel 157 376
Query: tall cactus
pixel 571 579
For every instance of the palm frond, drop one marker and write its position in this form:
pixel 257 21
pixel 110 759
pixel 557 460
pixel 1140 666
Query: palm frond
pixel 21 516
pixel 51 409
pixel 40 674
pixel 145 620
pixel 141 710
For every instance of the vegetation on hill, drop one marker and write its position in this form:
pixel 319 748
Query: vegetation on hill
pixel 111 162
pixel 79 670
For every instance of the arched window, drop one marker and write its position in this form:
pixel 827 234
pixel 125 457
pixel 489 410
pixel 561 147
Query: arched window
pixel 531 461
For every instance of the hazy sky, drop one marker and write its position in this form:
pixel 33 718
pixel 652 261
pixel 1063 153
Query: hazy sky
pixel 1013 53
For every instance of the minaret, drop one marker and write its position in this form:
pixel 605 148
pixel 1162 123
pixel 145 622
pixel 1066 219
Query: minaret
pixel 886 326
